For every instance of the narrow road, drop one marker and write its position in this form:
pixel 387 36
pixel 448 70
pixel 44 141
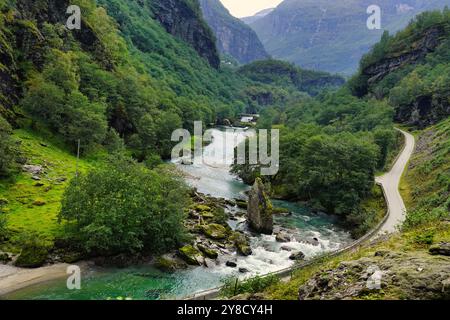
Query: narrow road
pixel 390 182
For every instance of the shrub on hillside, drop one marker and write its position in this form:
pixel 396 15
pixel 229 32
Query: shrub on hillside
pixel 8 149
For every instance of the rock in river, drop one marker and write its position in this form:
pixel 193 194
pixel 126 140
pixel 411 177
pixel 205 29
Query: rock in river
pixel 191 255
pixel 260 209
pixel 208 252
pixel 297 256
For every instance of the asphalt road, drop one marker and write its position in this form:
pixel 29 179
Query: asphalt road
pixel 390 182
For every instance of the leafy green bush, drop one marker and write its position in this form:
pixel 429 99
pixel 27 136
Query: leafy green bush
pixel 125 208
pixel 426 238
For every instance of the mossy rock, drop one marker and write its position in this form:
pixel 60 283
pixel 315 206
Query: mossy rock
pixel 210 253
pixel 169 264
pixel 244 249
pixel 38 184
pixel 207 215
pixel 241 243
pixel 242 204
pixel 191 255
pixel 215 231
pixel 202 208
pixel 71 257
pixel 39 202
pixel 32 256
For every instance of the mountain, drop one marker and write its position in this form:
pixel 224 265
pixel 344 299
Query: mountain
pixel 257 16
pixel 332 35
pixel 183 19
pixel 411 70
pixel 234 37
pixel 286 75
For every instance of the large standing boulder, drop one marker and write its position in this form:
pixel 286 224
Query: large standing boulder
pixel 260 209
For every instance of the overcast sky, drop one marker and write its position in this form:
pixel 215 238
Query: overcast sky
pixel 244 8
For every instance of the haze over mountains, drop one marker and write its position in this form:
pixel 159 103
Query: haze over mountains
pixel 234 37
pixel 257 16
pixel 331 35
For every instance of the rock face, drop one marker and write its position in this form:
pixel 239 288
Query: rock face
pixel 399 275
pixel 427 107
pixel 233 36
pixel 428 42
pixel 260 209
pixel 182 18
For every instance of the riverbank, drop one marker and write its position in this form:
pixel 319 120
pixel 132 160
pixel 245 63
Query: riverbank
pixel 13 278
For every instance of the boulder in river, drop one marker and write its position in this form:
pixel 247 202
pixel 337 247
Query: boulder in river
pixel 260 209
pixel 283 237
pixel 298 256
pixel 191 255
pixel 169 263
pixel 242 244
pixel 231 264
pixel 208 252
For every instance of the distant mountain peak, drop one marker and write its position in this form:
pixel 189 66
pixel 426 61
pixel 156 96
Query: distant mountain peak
pixel 257 16
pixel 234 37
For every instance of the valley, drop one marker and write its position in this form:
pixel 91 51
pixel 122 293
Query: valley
pixel 104 167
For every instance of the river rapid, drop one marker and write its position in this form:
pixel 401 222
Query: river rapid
pixel 312 234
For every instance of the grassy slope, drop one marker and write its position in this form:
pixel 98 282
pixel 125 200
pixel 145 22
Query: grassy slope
pixel 423 187
pixel 25 218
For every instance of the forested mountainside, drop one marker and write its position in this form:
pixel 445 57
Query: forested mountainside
pixel 411 70
pixel 399 72
pixel 332 35
pixel 184 19
pixel 138 73
pixel 287 75
pixel 234 37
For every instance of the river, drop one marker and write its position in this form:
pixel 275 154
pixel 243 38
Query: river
pixel 313 234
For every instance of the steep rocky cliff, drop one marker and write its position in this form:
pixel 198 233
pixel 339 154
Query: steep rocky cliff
pixel 182 18
pixel 411 70
pixel 233 36
pixel 426 43
pixel 21 31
